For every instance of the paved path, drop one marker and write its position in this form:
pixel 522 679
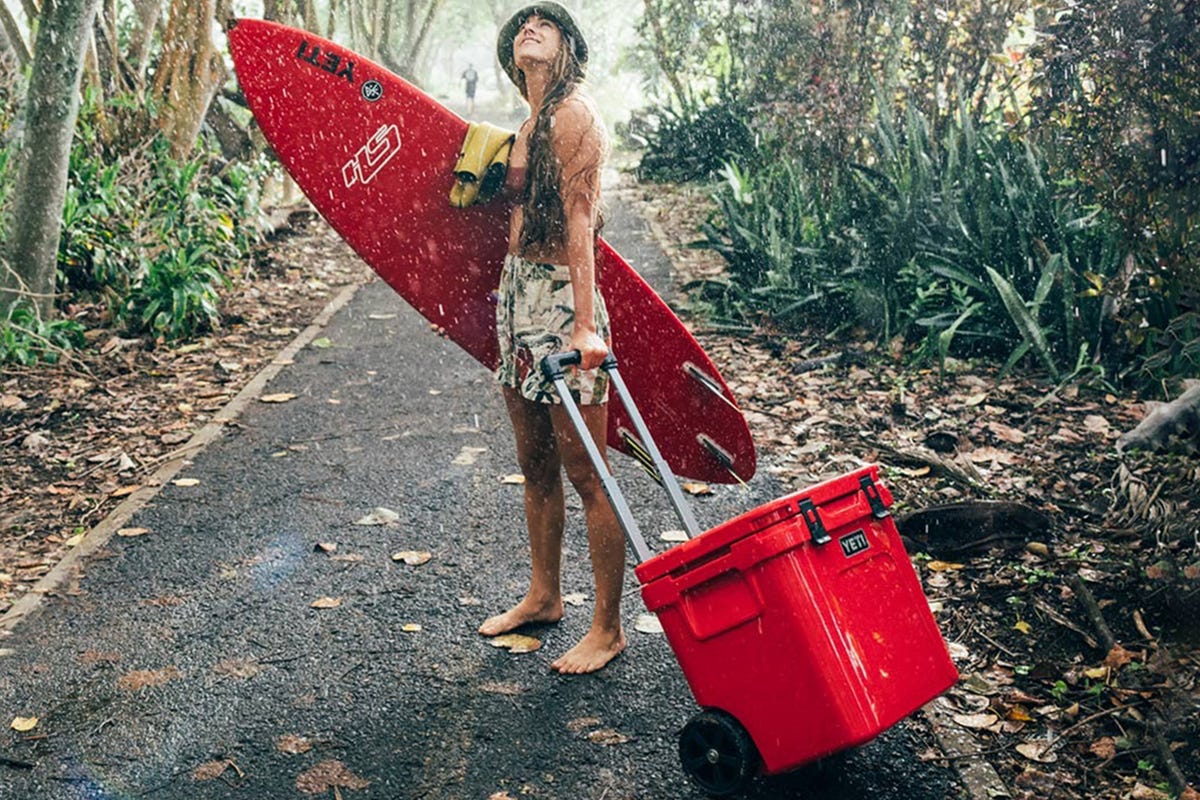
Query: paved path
pixel 212 609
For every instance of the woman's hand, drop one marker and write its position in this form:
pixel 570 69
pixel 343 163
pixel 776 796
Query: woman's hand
pixel 591 347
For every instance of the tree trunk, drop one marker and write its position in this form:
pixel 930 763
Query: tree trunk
pixel 148 13
pixel 659 45
pixel 12 36
pixel 52 105
pixel 189 73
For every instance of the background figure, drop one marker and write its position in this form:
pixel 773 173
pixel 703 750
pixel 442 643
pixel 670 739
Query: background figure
pixel 470 78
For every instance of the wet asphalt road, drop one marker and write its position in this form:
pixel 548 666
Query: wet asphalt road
pixel 217 600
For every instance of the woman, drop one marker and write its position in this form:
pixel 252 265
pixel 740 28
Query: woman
pixel 549 303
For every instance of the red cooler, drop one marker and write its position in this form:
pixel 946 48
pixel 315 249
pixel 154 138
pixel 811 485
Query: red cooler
pixel 803 619
pixel 800 626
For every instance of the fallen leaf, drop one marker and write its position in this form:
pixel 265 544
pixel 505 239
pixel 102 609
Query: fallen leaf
pixel 516 643
pixel 327 602
pixel 125 491
pixel 327 775
pixel 674 536
pixel 976 721
pixel 186 482
pixel 293 744
pixel 131 532
pixel 24 724
pixel 648 623
pixel 943 566
pixel 143 678
pixel 326 547
pixel 244 668
pixel 1094 423
pixel 1143 792
pixel 379 516
pixel 1104 747
pixel 1019 714
pixel 282 397
pixel 468 456
pixel 1036 751
pixel 411 627
pixel 512 480
pixel 697 489
pixel 323 343
pixel 607 737
pixel 1006 434
pixel 1118 657
pixel 580 724
pixel 500 796
pixel 575 599
pixel 74 540
pixel 1023 626
pixel 414 558
pixel 211 770
pixel 1096 673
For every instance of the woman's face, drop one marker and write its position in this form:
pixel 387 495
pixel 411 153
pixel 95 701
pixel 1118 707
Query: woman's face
pixel 537 41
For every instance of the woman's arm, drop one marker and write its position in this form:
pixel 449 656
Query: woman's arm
pixel 579 143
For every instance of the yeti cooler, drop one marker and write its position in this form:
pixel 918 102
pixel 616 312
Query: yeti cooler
pixel 803 619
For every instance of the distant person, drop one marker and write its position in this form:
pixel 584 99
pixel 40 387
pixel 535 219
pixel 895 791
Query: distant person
pixel 471 78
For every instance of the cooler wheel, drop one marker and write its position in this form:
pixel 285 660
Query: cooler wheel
pixel 717 753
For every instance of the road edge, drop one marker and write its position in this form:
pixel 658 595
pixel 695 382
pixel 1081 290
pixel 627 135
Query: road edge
pixel 100 534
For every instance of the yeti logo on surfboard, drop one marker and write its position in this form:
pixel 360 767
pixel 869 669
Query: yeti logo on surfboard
pixel 371 157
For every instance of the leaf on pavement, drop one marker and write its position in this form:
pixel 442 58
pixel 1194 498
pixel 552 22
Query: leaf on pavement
pixel 468 456
pixel 24 724
pixel 513 480
pixel 327 602
pixel 129 533
pixel 329 775
pixel 575 598
pixel 608 737
pixel 186 482
pixel 697 489
pixel 282 397
pixel 142 678
pixel 674 536
pixel 648 623
pixel 414 558
pixel 244 668
pixel 292 744
pixel 498 687
pixel 211 770
pixel 516 642
pixel 326 547
pixel 411 627
pixel 379 516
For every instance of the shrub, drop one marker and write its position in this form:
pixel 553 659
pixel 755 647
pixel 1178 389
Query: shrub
pixel 694 142
pixel 25 339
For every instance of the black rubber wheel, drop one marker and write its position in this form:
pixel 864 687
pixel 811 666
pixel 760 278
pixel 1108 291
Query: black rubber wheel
pixel 717 753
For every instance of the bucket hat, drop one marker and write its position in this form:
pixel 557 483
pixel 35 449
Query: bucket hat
pixel 551 11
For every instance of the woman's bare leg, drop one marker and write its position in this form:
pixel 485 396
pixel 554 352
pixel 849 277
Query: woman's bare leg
pixel 606 544
pixel 538 457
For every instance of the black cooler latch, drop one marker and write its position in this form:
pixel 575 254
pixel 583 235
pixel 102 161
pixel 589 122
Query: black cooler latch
pixel 872 492
pixel 812 518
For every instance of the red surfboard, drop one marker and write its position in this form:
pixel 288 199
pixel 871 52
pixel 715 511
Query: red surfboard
pixel 375 156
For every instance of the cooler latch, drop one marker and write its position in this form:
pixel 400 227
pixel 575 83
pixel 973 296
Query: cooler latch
pixel 871 490
pixel 812 518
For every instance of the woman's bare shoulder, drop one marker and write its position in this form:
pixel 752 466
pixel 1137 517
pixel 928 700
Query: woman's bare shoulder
pixel 577 122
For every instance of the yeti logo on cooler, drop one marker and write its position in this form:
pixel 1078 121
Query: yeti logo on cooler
pixel 854 543
pixel 371 157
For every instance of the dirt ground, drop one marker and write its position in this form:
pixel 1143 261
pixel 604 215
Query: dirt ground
pixel 1070 601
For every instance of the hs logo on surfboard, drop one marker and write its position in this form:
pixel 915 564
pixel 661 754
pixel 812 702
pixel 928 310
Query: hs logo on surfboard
pixel 330 62
pixel 381 148
pixel 854 543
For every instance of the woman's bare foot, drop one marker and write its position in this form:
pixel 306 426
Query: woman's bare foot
pixel 523 613
pixel 594 651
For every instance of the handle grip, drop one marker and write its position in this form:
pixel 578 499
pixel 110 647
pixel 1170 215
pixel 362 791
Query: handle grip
pixel 552 365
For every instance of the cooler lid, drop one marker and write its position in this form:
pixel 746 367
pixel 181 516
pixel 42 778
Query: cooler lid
pixel 757 519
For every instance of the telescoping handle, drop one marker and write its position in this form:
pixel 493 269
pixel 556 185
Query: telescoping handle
pixel 552 368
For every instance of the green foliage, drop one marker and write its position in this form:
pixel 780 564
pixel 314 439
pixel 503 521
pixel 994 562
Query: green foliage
pixel 176 297
pixel 962 242
pixel 25 339
pixel 151 236
pixel 695 142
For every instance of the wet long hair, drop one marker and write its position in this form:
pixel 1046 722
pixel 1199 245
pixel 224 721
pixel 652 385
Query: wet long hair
pixel 544 219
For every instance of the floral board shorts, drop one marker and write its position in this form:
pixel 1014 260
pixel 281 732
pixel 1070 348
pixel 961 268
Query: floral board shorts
pixel 535 316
